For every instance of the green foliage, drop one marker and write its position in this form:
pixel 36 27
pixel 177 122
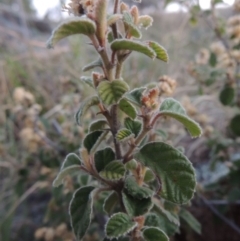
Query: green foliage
pixel 234 125
pixel 173 168
pixel 134 126
pixel 152 234
pixel 92 139
pixel 227 95
pixel 103 157
pixel 110 202
pixel 127 108
pixel 113 171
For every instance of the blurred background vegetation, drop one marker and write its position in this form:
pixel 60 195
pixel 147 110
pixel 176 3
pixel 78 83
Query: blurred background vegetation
pixel 40 92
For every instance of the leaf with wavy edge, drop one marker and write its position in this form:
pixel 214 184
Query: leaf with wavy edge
pixel 97 125
pixel 103 157
pixel 161 52
pixel 154 234
pixel 114 171
pixel 127 108
pixel 70 27
pixel 124 135
pixel 177 175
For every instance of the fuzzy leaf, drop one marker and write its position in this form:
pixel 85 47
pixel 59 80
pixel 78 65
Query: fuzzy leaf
pixel 112 19
pixel 89 102
pixel 191 220
pixel 94 64
pixel 112 92
pixel 227 95
pixel 136 207
pixel 119 225
pixel 70 27
pixel 71 165
pixel 134 126
pixel 145 21
pixel 235 126
pixel 124 135
pixel 115 170
pixel 65 172
pixel 161 53
pixel 97 125
pixel 173 108
pixel 135 96
pixel 103 157
pixel 175 170
pixel 91 139
pixel 154 234
pixel 131 165
pixel 110 202
pixel 80 210
pixel 131 28
pixel 132 45
pixel 87 80
pixel 149 176
pixel 151 220
pixel 127 108
pixel 136 191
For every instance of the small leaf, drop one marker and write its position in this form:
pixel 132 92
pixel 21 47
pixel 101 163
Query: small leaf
pixel 132 45
pixel 130 27
pixel 152 220
pixel 134 126
pixel 136 207
pixel 173 108
pixel 161 53
pixel 131 165
pixel 94 64
pixel 154 234
pixel 91 139
pixel 124 135
pixel 103 157
pixel 235 126
pixel 87 80
pixel 112 92
pixel 112 19
pixel 136 191
pixel 213 60
pixel 71 165
pixel 80 210
pixel 127 108
pixel 114 171
pixel 227 95
pixel 65 172
pixel 175 170
pixel 110 202
pixel 145 21
pixel 89 102
pixel 97 125
pixel 72 26
pixel 119 225
pixel 149 176
pixel 190 220
pixel 135 96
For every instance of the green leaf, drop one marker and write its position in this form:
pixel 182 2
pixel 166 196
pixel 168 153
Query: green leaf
pixel 112 92
pixel 97 125
pixel 136 191
pixel 154 234
pixel 135 96
pixel 227 95
pixel 110 202
pixel 152 220
pixel 114 171
pixel 161 53
pixel 119 239
pixel 149 176
pixel 124 135
pixel 145 21
pixel 119 225
pixel 127 108
pixel 173 108
pixel 131 28
pixel 134 126
pixel 65 172
pixel 113 18
pixel 136 207
pixel 94 64
pixel 132 45
pixel 131 165
pixel 173 168
pixel 103 157
pixel 92 139
pixel 89 102
pixel 190 220
pixel 213 60
pixel 235 126
pixel 71 159
pixel 87 80
pixel 72 26
pixel 80 210
pixel 71 165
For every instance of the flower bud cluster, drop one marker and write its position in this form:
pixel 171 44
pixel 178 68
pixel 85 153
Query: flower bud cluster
pixel 167 85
